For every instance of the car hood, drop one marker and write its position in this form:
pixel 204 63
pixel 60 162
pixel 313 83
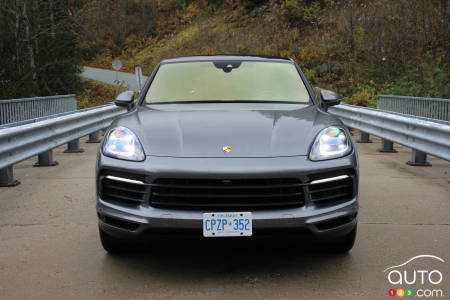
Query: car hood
pixel 204 133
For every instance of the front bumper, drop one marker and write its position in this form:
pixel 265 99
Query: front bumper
pixel 330 221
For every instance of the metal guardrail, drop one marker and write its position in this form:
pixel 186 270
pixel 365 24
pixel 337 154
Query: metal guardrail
pixel 39 138
pixel 48 117
pixel 16 110
pixel 433 108
pixel 424 136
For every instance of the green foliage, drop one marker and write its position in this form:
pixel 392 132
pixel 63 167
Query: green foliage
pixel 364 95
pixel 302 11
pixel 430 78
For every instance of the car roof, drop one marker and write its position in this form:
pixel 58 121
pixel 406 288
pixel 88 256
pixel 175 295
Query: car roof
pixel 225 58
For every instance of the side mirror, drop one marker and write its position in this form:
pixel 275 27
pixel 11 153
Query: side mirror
pixel 125 99
pixel 329 98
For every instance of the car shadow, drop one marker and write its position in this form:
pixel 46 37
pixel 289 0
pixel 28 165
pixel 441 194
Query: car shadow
pixel 245 260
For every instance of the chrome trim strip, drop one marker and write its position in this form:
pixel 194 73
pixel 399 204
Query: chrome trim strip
pixel 329 179
pixel 125 180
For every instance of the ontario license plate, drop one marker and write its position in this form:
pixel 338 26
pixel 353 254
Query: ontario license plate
pixel 224 224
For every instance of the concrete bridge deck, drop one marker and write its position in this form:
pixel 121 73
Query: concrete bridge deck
pixel 49 246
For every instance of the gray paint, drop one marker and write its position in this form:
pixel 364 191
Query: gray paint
pixel 251 132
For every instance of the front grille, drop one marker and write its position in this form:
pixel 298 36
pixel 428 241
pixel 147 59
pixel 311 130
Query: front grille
pixel 227 193
pixel 120 191
pixel 342 188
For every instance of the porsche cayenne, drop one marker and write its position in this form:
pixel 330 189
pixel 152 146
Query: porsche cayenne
pixel 227 146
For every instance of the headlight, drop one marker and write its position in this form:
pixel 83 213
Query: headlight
pixel 122 143
pixel 332 142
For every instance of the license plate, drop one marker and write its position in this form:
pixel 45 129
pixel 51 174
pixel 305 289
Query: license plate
pixel 227 224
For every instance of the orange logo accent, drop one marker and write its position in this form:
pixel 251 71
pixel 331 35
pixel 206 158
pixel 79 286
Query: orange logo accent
pixel 227 149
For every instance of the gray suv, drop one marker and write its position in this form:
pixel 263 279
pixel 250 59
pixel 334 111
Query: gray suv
pixel 227 146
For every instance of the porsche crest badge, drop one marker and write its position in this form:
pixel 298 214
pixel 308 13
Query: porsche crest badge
pixel 227 149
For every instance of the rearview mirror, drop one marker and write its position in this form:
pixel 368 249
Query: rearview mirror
pixel 125 99
pixel 329 98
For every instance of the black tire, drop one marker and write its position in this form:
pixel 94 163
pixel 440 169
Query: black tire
pixel 111 244
pixel 343 244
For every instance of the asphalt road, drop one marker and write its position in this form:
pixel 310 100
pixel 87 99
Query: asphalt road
pixel 111 77
pixel 49 246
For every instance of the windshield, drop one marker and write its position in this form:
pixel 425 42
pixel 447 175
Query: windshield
pixel 227 81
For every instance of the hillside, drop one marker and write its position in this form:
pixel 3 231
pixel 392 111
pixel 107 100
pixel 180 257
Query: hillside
pixel 229 30
pixel 360 50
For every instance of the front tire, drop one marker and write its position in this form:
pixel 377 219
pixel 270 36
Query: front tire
pixel 111 244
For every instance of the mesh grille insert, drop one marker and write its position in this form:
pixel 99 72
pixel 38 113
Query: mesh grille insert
pixel 227 193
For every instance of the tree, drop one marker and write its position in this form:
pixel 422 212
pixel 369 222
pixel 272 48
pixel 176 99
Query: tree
pixel 38 47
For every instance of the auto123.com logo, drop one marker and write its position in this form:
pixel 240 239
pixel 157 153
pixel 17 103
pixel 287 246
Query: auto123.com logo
pixel 416 277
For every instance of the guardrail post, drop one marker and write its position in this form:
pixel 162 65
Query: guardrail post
pixel 7 178
pixel 387 146
pixel 74 147
pixel 364 138
pixel 94 137
pixel 45 159
pixel 418 158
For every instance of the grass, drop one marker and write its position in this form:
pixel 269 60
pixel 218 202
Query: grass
pixel 97 93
